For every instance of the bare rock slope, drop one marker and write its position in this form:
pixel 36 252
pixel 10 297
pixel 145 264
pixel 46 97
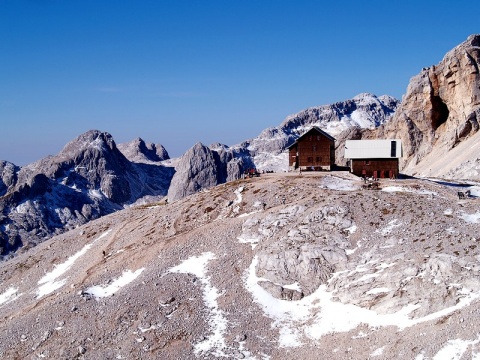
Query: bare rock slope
pixel 276 267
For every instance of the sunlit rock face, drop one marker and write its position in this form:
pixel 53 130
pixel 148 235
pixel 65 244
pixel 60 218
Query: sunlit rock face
pixel 440 110
pixel 139 151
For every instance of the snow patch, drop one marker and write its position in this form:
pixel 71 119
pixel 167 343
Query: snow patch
pixel 377 291
pixel 390 226
pixel 9 295
pixel 215 342
pixel 318 314
pixel 252 241
pixel 103 291
pixel 454 349
pixel 48 281
pixel 471 218
pixel 335 183
pixel 409 190
pixel 378 352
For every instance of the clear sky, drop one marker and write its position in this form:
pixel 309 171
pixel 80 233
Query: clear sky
pixel 178 72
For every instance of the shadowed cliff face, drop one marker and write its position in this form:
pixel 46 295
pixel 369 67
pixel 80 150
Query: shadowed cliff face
pixel 440 109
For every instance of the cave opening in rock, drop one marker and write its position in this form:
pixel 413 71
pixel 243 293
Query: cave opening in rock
pixel 439 112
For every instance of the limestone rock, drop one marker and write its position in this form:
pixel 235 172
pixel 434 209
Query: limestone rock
pixel 197 169
pixel 8 176
pixel 440 110
pixel 202 168
pixel 139 151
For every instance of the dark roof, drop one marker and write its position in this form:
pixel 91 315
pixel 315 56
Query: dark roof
pixel 329 137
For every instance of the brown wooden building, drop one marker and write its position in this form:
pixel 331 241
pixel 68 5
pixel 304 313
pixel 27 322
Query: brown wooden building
pixel 314 150
pixel 374 158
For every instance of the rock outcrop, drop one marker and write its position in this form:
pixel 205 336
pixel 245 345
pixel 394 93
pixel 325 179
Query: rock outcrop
pixel 202 168
pixel 217 276
pixel 8 176
pixel 299 248
pixel 440 110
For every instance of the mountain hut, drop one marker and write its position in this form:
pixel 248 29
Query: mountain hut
pixel 374 158
pixel 314 150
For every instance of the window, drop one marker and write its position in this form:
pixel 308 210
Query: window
pixel 393 149
pixel 314 148
pixel 319 159
pixel 367 162
pixel 318 137
pixel 310 159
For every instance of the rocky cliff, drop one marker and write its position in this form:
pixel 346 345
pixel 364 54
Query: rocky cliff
pixel 439 112
pixel 203 167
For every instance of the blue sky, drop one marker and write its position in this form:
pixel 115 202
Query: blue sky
pixel 178 72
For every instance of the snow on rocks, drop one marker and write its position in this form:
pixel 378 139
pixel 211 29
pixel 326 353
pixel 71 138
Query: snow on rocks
pixel 455 349
pixel 215 343
pixel 9 295
pixel 416 190
pixel 471 218
pixel 103 291
pixel 319 314
pixel 308 247
pixel 49 283
pixel 390 226
pixel 337 183
pixel 238 200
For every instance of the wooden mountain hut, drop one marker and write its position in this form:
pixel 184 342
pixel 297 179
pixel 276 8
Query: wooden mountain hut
pixel 374 158
pixel 314 150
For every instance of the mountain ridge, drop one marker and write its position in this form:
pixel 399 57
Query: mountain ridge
pixel 97 178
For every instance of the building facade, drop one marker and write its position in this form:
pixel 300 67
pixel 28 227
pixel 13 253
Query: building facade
pixel 374 158
pixel 314 150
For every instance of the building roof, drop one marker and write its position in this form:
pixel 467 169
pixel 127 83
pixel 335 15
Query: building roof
pixel 315 128
pixel 373 149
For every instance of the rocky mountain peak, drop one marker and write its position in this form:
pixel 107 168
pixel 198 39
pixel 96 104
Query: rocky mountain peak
pixel 89 178
pixel 92 140
pixel 140 151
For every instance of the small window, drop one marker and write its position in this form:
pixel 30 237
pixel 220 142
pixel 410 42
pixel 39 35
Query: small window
pixel 310 159
pixel 319 159
pixel 314 148
pixel 367 162
pixel 318 137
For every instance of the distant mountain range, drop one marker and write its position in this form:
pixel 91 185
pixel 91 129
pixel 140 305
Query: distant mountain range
pixel 92 176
